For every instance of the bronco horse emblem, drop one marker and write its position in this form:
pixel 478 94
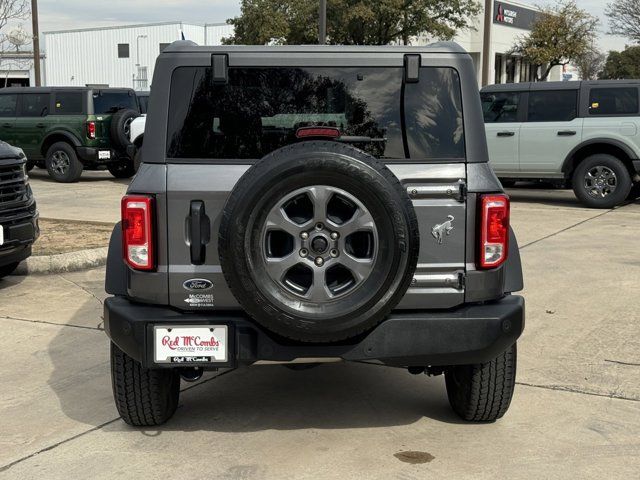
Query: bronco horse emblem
pixel 442 229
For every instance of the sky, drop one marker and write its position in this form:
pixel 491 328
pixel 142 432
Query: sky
pixel 69 14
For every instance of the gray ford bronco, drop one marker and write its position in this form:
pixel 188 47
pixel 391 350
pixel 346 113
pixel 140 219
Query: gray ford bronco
pixel 310 203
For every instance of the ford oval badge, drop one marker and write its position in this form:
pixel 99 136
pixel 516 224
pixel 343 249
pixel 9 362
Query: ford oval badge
pixel 197 284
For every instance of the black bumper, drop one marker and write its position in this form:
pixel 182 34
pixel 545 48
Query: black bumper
pixel 18 238
pixel 89 155
pixel 469 334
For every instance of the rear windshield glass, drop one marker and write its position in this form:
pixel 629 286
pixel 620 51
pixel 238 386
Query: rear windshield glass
pixel 261 109
pixel 105 102
pixel 613 101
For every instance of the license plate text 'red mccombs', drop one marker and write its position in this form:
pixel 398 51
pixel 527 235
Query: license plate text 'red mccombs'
pixel 202 341
pixel 188 342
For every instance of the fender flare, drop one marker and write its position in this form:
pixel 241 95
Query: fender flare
pixel 513 266
pixel 116 271
pixel 70 137
pixel 567 163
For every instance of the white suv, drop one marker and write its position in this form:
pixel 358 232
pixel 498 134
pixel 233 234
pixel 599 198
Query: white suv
pixel 586 132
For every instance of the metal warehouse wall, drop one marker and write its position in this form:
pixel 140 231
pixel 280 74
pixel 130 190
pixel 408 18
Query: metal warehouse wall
pixel 90 56
pixel 215 32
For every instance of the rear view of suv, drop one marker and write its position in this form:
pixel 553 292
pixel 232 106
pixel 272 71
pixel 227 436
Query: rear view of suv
pixel 585 133
pixel 68 129
pixel 306 204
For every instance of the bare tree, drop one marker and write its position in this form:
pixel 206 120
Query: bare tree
pixel 624 18
pixel 11 11
pixel 590 64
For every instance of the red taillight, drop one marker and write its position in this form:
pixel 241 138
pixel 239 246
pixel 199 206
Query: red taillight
pixel 305 132
pixel 494 230
pixel 91 130
pixel 137 232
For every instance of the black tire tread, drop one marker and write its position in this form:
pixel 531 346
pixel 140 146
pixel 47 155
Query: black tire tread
pixel 75 167
pixel 143 397
pixel 483 391
pixel 624 181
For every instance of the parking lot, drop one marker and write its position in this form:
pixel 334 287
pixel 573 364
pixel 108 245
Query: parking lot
pixel 575 414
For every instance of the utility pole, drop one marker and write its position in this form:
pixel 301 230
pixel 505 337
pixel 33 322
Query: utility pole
pixel 322 23
pixel 486 41
pixel 36 41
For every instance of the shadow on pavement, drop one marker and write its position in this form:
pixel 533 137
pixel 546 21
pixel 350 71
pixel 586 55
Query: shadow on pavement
pixel 88 176
pixel 330 396
pixel 10 281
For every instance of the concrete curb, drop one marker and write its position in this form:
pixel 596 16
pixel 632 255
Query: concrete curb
pixel 63 262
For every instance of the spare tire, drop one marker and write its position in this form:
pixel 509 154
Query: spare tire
pixel 318 241
pixel 120 127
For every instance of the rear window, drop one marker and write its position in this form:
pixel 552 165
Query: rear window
pixel 105 102
pixel 500 107
pixel 68 103
pixel 35 105
pixel 8 105
pixel 260 109
pixel 553 106
pixel 613 101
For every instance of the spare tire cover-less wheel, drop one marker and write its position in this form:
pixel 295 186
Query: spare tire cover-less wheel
pixel 318 241
pixel 121 127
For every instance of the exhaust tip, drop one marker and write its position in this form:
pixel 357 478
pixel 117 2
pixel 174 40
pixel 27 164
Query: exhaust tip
pixel 192 374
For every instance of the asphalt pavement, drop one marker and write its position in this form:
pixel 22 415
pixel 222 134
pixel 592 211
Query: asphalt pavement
pixel 575 413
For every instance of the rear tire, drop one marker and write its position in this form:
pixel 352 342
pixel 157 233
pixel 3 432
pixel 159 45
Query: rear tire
pixel 122 169
pixel 615 178
pixel 121 127
pixel 6 270
pixel 144 397
pixel 482 392
pixel 63 164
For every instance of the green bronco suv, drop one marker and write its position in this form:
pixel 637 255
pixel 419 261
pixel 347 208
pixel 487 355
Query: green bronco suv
pixel 68 129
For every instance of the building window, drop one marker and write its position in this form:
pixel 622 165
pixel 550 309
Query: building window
pixel 498 69
pixel 123 50
pixel 163 46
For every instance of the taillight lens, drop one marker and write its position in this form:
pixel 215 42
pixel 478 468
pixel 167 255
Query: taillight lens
pixel 91 130
pixel 137 232
pixel 494 230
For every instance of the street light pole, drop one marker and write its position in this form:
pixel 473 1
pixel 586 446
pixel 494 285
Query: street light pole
pixel 36 41
pixel 486 41
pixel 322 23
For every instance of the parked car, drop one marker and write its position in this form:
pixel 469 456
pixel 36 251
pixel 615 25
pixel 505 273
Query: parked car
pixel 304 203
pixel 18 213
pixel 69 129
pixel 143 101
pixel 583 133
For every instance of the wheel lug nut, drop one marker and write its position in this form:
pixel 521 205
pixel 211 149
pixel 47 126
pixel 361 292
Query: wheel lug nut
pixel 319 261
pixel 319 226
pixel 304 235
pixel 304 252
pixel 334 253
pixel 334 235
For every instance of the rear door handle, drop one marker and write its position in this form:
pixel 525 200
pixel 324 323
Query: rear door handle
pixel 40 125
pixel 7 125
pixel 506 134
pixel 566 133
pixel 199 231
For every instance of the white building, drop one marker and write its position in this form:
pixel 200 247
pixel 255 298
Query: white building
pixel 122 56
pixel 509 21
pixel 16 69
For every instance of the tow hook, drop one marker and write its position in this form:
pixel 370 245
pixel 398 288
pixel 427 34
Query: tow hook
pixel 191 374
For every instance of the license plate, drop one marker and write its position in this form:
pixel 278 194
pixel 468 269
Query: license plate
pixel 190 344
pixel 1 235
pixel 104 154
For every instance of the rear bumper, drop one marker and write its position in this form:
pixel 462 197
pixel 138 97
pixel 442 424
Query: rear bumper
pixel 469 334
pixel 89 155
